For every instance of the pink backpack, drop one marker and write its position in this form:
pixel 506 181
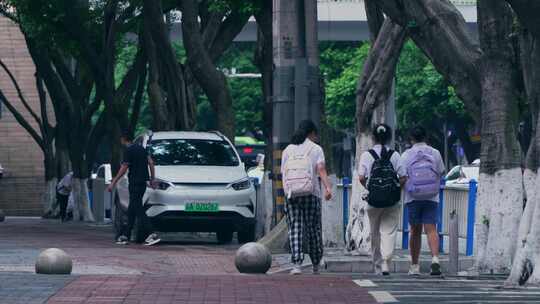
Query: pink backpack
pixel 298 172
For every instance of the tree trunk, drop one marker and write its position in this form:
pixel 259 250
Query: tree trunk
pixel 527 259
pixel 172 102
pixel 374 88
pixel 81 209
pixel 440 31
pixel 50 208
pixel 49 197
pixel 500 193
pixel 212 81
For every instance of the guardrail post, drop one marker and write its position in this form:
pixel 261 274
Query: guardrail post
pixel 471 208
pixel 440 215
pixel 346 183
pixel 405 230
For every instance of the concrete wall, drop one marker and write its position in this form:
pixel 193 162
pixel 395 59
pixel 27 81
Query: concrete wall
pixel 21 189
pixel 332 217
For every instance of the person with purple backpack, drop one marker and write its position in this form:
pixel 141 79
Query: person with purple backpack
pixel 423 167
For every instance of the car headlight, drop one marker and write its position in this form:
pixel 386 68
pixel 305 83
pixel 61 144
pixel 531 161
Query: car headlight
pixel 162 185
pixel 241 185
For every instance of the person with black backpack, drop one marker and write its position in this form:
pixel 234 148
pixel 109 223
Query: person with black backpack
pixel 378 171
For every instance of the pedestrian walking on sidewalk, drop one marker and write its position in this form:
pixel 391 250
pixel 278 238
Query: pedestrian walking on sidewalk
pixel 378 172
pixel 63 190
pixel 303 169
pixel 423 167
pixel 137 160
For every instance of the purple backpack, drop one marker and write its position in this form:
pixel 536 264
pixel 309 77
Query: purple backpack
pixel 423 182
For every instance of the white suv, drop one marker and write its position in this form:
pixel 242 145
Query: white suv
pixel 202 187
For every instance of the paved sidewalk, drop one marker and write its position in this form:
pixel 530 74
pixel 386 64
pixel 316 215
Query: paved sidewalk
pixel 23 288
pixel 94 252
pixel 223 289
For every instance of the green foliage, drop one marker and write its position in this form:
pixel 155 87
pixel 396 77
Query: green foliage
pixel 336 57
pixel 241 6
pixel 422 95
pixel 246 92
pixel 124 60
pixel 340 104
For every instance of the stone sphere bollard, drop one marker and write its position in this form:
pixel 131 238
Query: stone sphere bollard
pixel 54 261
pixel 253 258
pixel 2 216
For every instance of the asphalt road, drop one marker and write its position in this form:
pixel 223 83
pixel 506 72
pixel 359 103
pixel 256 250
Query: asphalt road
pixel 427 289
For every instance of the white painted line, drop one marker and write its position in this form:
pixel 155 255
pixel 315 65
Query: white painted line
pixel 495 301
pixel 383 297
pixel 365 283
pixel 493 292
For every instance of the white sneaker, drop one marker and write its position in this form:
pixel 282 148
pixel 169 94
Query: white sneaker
pixel 385 269
pixel 414 270
pixel 435 266
pixel 377 269
pixel 152 239
pixel 122 240
pixel 297 270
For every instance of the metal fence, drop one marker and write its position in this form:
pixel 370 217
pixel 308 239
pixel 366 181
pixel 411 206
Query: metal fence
pixel 461 198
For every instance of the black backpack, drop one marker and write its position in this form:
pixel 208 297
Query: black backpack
pixel 383 184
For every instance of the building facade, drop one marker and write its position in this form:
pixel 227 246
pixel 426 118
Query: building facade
pixel 23 185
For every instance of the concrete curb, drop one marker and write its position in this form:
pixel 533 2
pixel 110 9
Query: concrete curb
pixel 397 266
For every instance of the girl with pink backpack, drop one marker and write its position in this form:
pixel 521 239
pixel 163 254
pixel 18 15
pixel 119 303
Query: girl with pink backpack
pixel 303 169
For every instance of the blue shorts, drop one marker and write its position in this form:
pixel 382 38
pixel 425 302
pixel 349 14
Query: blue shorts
pixel 422 212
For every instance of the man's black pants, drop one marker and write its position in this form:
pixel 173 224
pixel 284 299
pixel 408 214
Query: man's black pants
pixel 62 201
pixel 136 209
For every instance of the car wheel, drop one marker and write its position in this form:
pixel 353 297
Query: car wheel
pixel 247 234
pixel 224 237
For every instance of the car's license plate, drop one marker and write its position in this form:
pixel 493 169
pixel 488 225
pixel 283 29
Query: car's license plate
pixel 202 207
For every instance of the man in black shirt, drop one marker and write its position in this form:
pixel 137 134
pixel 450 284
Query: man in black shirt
pixel 137 160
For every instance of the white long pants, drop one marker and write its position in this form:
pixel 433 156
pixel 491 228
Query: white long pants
pixel 384 226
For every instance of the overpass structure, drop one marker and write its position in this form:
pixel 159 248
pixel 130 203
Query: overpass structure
pixel 342 20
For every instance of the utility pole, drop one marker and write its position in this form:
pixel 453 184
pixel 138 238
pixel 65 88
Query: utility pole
pixel 313 61
pixel 285 41
pixel 297 86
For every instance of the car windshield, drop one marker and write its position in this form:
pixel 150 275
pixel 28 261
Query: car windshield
pixel 192 152
pixel 471 172
pixel 454 174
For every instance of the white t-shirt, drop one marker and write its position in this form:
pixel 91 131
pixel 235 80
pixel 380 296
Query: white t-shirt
pixel 317 158
pixel 406 159
pixel 64 186
pixel 367 160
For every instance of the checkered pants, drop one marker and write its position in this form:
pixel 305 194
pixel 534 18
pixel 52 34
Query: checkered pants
pixel 305 228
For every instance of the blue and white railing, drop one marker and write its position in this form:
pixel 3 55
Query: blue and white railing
pixel 461 198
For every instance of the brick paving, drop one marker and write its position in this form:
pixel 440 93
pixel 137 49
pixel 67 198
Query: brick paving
pixel 223 289
pixel 94 252
pixel 184 269
pixel 23 288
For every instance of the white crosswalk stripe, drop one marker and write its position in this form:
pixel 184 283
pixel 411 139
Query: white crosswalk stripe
pixel 424 290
